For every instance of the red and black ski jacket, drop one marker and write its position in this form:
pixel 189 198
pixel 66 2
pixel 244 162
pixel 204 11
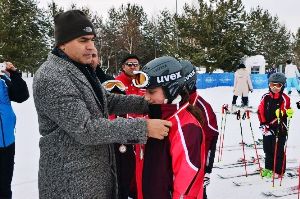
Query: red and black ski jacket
pixel 269 103
pixel 210 128
pixel 173 167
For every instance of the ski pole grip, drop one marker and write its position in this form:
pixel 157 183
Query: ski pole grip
pixel 289 113
pixel 238 114
pixel 278 113
pixel 248 114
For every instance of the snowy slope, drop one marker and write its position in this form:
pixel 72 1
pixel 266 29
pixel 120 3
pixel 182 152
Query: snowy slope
pixel 27 149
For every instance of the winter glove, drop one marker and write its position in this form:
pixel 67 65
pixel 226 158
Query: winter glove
pixel 265 130
pixel 289 112
pixel 298 105
pixel 206 181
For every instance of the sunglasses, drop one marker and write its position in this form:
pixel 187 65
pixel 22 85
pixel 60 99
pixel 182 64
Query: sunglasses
pixel 111 84
pixel 132 64
pixel 140 79
pixel 273 85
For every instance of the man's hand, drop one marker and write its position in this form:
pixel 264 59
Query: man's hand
pixel 158 128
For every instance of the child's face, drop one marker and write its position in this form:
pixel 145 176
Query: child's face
pixel 275 87
pixel 155 95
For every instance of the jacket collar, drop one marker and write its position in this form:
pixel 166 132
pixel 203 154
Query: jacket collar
pixel 65 63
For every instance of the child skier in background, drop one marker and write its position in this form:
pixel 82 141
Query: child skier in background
pixel 272 127
pixel 172 167
pixel 210 125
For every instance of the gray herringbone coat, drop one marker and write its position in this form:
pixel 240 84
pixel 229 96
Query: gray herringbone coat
pixel 76 155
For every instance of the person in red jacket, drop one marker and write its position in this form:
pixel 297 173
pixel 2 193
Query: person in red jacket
pixel 130 63
pixel 174 167
pixel 210 126
pixel 125 154
pixel 274 130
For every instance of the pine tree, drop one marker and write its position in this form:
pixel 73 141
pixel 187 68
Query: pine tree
pixel 24 34
pixel 296 47
pixel 268 37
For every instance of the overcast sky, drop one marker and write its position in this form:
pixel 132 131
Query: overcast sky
pixel 286 10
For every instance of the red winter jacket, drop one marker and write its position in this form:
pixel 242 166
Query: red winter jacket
pixel 269 103
pixel 130 89
pixel 210 128
pixel 173 167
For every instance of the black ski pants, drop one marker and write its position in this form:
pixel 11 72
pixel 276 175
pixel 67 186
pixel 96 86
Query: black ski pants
pixel 7 155
pixel 269 150
pixel 244 100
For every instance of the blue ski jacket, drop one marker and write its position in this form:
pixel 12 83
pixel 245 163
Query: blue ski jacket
pixel 7 115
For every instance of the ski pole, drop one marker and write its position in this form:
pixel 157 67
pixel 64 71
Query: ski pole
pixel 299 182
pixel 238 117
pixel 248 117
pixel 277 112
pixel 220 138
pixel 222 146
pixel 289 113
pixel 222 134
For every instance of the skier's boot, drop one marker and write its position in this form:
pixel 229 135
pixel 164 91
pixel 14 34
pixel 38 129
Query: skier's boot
pixel 267 173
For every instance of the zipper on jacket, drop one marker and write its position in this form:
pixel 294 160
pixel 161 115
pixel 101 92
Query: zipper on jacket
pixel 2 131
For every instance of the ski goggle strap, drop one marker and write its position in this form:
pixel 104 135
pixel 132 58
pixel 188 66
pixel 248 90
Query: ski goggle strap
pixel 111 84
pixel 140 79
pixel 273 85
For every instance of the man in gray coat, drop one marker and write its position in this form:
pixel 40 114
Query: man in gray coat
pixel 76 152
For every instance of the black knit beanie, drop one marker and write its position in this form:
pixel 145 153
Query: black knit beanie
pixel 70 25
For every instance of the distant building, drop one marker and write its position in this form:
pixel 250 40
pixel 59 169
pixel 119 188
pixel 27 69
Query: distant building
pixel 255 64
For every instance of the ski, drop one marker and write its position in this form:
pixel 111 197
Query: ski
pixel 237 175
pixel 238 163
pixel 250 162
pixel 251 173
pixel 282 192
pixel 254 181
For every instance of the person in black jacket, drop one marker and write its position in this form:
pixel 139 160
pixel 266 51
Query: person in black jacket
pixel 97 68
pixel 13 88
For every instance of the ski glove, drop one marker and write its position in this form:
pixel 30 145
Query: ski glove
pixel 298 105
pixel 265 130
pixel 206 180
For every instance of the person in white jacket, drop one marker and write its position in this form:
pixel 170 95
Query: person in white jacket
pixel 242 85
pixel 291 74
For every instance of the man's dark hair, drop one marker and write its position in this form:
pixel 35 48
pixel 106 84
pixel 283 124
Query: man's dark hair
pixel 129 56
pixel 288 61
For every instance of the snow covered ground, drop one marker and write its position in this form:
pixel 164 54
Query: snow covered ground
pixel 27 149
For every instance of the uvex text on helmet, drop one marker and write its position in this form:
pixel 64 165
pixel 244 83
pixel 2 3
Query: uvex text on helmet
pixel 277 78
pixel 165 72
pixel 189 73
